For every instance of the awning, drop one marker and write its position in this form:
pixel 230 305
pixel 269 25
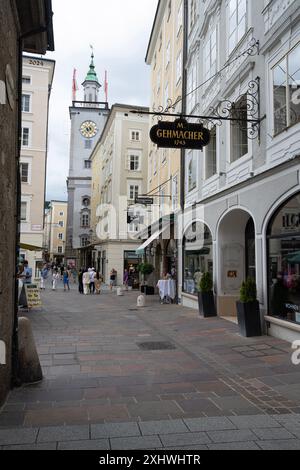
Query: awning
pixel 154 236
pixel 25 246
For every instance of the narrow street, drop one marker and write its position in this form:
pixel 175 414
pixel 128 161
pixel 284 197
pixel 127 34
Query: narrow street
pixel 121 377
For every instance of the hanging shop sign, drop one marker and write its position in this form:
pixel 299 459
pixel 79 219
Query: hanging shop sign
pixel 180 134
pixel 144 201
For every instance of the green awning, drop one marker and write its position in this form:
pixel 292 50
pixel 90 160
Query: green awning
pixel 25 246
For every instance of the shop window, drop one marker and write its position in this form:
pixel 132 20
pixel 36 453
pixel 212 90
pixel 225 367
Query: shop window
pixel 198 256
pixel 284 262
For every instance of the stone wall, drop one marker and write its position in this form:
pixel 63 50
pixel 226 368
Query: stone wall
pixel 8 185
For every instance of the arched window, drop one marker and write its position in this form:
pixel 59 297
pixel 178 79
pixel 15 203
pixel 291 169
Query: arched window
pixel 198 256
pixel 86 201
pixel 284 261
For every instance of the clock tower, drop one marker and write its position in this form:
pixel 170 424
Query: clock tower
pixel 88 118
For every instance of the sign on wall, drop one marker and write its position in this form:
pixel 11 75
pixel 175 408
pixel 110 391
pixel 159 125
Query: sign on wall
pixel 180 134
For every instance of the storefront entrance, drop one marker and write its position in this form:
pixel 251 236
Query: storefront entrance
pixel 131 262
pixel 284 262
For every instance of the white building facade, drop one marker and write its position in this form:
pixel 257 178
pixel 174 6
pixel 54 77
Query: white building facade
pixel 88 118
pixel 243 190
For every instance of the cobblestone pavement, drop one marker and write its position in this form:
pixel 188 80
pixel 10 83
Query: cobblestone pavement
pixel 161 377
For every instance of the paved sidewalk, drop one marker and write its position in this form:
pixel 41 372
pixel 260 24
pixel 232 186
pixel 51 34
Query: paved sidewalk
pixel 120 377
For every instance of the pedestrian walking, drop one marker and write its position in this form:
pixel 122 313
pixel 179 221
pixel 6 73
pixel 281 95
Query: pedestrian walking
pixel 80 283
pixel 66 280
pixel 113 278
pixel 86 282
pixel 98 282
pixel 126 279
pixel 55 278
pixel 92 280
pixel 44 275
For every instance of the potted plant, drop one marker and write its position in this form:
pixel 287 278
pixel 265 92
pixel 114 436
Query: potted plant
pixel 206 299
pixel 146 269
pixel 248 310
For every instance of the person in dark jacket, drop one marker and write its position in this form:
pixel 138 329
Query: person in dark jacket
pixel 80 283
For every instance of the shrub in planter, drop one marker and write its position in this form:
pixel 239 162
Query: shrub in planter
pixel 146 269
pixel 206 299
pixel 248 310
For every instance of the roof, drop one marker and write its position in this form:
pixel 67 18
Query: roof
pixel 35 18
pixel 92 76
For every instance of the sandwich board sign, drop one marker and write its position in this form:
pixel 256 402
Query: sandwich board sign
pixel 30 296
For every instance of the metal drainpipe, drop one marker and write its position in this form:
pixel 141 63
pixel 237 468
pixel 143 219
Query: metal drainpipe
pixel 15 381
pixel 184 90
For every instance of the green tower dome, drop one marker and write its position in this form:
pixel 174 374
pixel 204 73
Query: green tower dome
pixel 92 76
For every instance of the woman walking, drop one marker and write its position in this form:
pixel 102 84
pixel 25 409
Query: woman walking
pixel 80 283
pixel 55 278
pixel 113 278
pixel 86 282
pixel 66 280
pixel 98 281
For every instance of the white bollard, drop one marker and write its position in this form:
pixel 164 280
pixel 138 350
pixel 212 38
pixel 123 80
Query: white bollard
pixel 141 301
pixel 119 291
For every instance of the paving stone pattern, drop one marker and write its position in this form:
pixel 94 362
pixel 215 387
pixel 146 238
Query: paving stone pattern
pixel 215 389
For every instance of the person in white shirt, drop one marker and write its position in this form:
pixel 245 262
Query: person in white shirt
pixel 55 278
pixel 86 282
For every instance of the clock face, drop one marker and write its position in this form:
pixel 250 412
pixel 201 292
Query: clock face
pixel 88 129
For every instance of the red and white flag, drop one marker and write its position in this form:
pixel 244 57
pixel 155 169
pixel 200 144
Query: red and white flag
pixel 74 85
pixel 106 87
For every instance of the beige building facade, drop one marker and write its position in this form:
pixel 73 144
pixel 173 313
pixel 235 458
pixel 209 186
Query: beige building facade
pixel 119 175
pixel 37 81
pixel 55 228
pixel 165 57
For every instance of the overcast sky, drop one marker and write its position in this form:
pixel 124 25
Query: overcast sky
pixel 119 31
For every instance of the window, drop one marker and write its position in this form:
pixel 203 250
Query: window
pixel 23 211
pixel 175 193
pixel 210 55
pixel 160 41
pixel 25 103
pixel 87 164
pixel 61 214
pixel 158 81
pixel 25 137
pixel 178 67
pixel 155 60
pixel 61 223
pixel 86 201
pixel 211 155
pixel 168 54
pixel 88 144
pixel 180 18
pixel 84 241
pixel 198 256
pixel 133 191
pixel 154 163
pixel 284 261
pixel 24 167
pixel 60 236
pixel 85 220
pixel 59 249
pixel 26 80
pixel 192 171
pixel 239 132
pixel 286 91
pixel 164 153
pixel 237 22
pixel 134 162
pixel 135 135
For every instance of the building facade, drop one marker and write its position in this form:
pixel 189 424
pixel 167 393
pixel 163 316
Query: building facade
pixel 119 175
pixel 37 78
pixel 55 232
pixel 165 58
pixel 242 192
pixel 15 20
pixel 88 118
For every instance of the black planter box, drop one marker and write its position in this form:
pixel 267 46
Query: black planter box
pixel 249 318
pixel 206 304
pixel 147 290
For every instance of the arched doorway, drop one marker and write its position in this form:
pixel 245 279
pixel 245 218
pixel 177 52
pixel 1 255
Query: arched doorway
pixel 283 251
pixel 236 257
